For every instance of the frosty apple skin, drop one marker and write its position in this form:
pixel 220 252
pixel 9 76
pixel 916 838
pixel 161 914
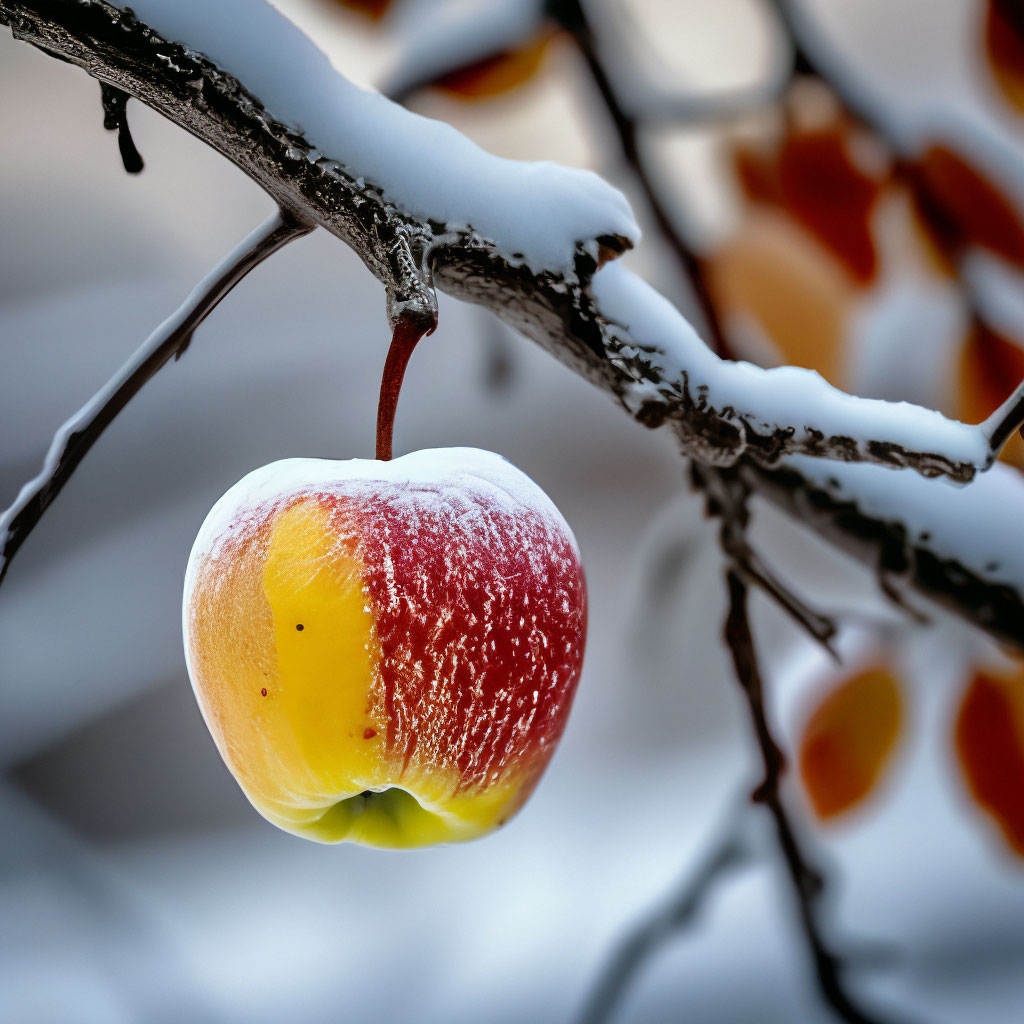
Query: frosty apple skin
pixel 386 652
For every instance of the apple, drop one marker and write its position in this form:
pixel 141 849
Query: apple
pixel 386 652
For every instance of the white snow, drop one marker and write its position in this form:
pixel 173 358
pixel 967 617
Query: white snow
pixel 661 71
pixel 535 213
pixel 781 396
pixel 435 36
pixel 978 525
pixel 912 312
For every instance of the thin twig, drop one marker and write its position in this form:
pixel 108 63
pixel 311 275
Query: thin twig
pixel 806 879
pixel 730 851
pixel 820 628
pixel 572 16
pixel 1006 421
pixel 727 495
pixel 170 339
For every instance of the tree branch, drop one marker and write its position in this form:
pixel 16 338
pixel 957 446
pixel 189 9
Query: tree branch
pixel 806 880
pixel 880 540
pixel 603 323
pixel 720 410
pixel 727 495
pixel 872 527
pixel 729 851
pixel 1006 421
pixel 77 436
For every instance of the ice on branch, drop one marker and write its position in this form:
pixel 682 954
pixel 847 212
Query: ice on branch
pixel 533 213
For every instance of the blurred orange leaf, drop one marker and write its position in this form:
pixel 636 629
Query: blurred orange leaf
pixel 1004 44
pixel 814 177
pixel 990 745
pixel 499 74
pixel 961 207
pixel 849 740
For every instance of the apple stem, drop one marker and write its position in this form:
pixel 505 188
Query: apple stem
pixel 406 335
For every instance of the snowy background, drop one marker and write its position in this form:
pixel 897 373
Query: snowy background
pixel 136 883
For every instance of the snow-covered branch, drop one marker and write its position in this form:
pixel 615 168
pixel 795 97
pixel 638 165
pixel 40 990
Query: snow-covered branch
pixel 423 206
pixel 412 196
pixel 957 546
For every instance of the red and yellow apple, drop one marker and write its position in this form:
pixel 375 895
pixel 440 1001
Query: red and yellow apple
pixel 386 652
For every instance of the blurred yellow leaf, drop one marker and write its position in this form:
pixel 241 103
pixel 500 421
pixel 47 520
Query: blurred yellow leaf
pixel 848 741
pixel 776 275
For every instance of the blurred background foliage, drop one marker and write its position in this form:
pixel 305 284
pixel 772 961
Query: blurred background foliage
pixel 862 216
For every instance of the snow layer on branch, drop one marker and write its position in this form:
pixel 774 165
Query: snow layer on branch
pixel 767 399
pixel 978 526
pixel 534 213
pixel 436 36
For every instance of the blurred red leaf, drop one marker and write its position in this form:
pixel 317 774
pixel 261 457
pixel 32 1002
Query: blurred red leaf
pixel 814 177
pixel 757 174
pixel 961 207
pixel 990 744
pixel 373 9
pixel 831 196
pixel 1004 45
pixel 849 740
